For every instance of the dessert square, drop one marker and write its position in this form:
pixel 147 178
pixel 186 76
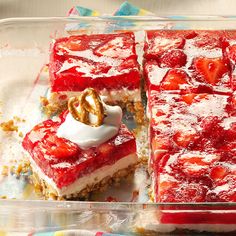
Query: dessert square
pixel 105 62
pixel 195 176
pixel 84 149
pixel 186 121
pixel 67 171
pixel 187 61
pixel 192 135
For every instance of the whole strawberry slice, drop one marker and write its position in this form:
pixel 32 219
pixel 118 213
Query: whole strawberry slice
pixel 59 147
pixel 196 164
pixel 211 70
pixel 193 97
pixel 218 172
pixel 173 58
pixel 174 79
pixel 184 139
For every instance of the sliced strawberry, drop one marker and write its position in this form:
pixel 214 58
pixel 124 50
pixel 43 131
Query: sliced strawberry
pixel 59 147
pixel 189 98
pixel 160 146
pixel 224 191
pixel 210 70
pixel 200 97
pixel 194 164
pixel 105 148
pixel 73 44
pixel 218 172
pixel 173 79
pixel 159 112
pixel 173 58
pixel 38 133
pixel 184 139
pixel 190 34
pixel 100 68
pixel 192 97
pixel 213 131
pixel 167 184
pixel 182 192
pixel 160 142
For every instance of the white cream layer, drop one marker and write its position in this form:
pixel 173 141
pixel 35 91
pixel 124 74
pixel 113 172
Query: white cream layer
pixel 87 180
pixel 111 96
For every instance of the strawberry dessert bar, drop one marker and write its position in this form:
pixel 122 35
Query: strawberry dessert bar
pixel 192 141
pixel 191 107
pixel 187 62
pixel 81 151
pixel 106 62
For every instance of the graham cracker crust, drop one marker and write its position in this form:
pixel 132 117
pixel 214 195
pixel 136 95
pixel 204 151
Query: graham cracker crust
pixel 48 192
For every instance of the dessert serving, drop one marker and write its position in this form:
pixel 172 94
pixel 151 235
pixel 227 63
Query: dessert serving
pixel 106 62
pixel 188 61
pixel 83 150
pixel 192 139
pixel 191 105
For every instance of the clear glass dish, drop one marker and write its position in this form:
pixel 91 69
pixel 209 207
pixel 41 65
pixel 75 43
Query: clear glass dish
pixel 24 49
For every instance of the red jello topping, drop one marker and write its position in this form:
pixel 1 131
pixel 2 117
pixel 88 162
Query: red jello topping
pixel 97 61
pixel 207 57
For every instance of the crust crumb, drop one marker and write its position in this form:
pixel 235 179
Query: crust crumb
pixel 49 108
pixel 22 168
pixel 5 170
pixel 137 109
pixel 9 126
pixel 139 112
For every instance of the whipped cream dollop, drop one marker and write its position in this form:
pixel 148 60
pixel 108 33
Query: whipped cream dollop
pixel 86 136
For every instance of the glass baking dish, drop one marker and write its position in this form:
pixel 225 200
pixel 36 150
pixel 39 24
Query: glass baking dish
pixel 24 49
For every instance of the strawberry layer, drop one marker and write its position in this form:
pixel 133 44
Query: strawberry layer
pixel 97 61
pixel 64 162
pixel 190 61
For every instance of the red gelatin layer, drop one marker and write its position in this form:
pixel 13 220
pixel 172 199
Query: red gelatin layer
pixel 98 61
pixel 189 61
